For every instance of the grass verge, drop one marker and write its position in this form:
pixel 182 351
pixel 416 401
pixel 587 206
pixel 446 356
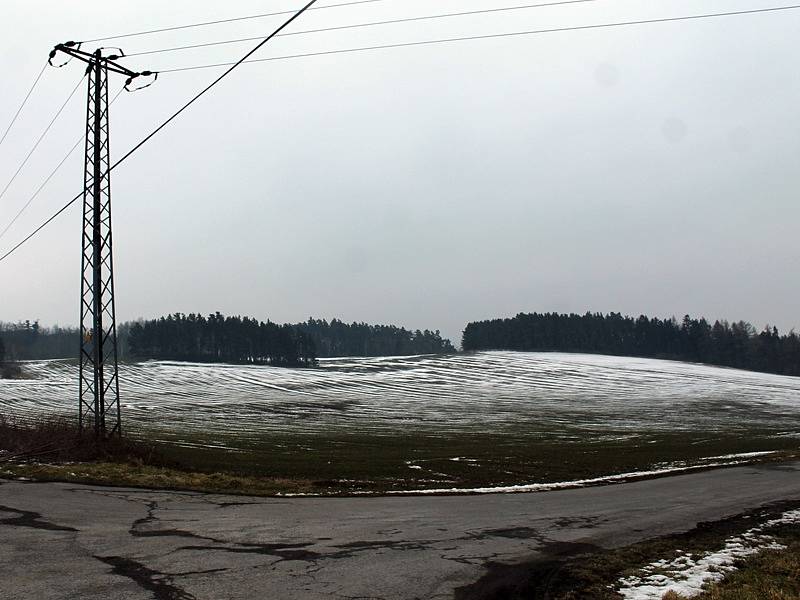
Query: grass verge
pixel 574 571
pixel 54 450
pixel 147 476
pixel 416 459
pixel 50 449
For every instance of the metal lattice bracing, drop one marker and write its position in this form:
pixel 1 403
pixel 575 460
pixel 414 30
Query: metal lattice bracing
pixel 99 376
pixel 98 396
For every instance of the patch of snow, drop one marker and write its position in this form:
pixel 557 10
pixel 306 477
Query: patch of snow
pixel 741 455
pixel 560 485
pixel 687 574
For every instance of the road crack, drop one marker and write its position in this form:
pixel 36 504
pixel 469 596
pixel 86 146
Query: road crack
pixel 29 518
pixel 281 551
pixel 136 528
pixel 153 581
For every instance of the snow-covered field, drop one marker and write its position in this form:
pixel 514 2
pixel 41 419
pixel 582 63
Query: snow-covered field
pixel 558 396
pixel 483 423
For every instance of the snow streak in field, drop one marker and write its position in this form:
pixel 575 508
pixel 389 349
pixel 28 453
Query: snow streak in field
pixel 562 396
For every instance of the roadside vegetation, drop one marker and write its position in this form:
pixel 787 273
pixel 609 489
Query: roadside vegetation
pixel 54 450
pixel 584 571
pixel 58 440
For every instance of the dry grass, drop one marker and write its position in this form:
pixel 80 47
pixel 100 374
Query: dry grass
pixel 152 477
pixel 58 439
pixel 54 450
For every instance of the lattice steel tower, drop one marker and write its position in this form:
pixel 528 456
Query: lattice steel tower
pixel 98 401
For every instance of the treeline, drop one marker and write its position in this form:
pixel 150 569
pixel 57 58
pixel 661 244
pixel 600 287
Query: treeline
pixel 3 367
pixel 7 370
pixel 737 345
pixel 30 341
pixel 218 338
pixel 336 338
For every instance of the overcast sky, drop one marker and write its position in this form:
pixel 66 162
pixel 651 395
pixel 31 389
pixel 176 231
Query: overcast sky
pixel 649 169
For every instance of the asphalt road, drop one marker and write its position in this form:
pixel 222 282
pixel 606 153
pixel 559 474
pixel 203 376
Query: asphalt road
pixel 74 541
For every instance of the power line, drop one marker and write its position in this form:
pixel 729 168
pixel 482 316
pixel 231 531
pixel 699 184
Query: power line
pixel 197 96
pixel 42 226
pixel 40 188
pixel 419 43
pixel 370 24
pixel 221 21
pixel 24 102
pixel 489 36
pixel 213 83
pixel 50 176
pixel 41 137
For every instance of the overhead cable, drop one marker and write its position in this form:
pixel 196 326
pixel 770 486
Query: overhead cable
pixel 486 37
pixel 244 59
pixel 147 138
pixel 24 102
pixel 221 21
pixel 41 137
pixel 369 24
pixel 50 176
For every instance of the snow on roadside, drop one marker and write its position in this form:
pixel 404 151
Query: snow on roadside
pixel 561 485
pixel 741 455
pixel 546 487
pixel 687 574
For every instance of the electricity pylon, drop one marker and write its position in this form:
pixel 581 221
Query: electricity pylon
pixel 98 395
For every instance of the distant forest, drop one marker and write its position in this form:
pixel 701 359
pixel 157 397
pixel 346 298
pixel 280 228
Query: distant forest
pixel 726 344
pixel 30 341
pixel 336 338
pixel 217 338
